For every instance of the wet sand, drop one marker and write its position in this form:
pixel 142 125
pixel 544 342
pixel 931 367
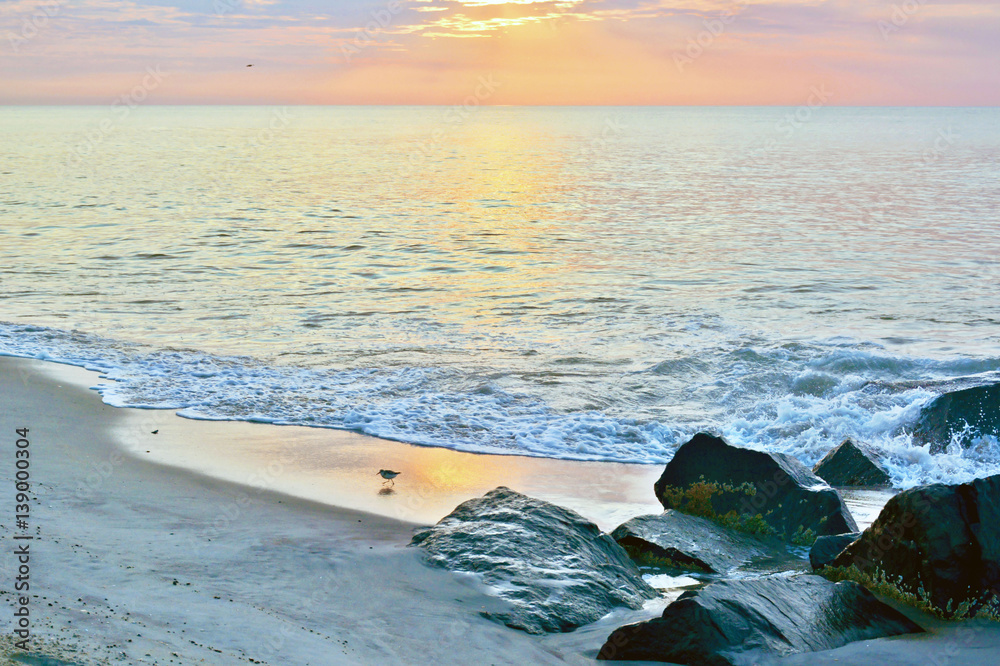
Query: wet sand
pixel 135 562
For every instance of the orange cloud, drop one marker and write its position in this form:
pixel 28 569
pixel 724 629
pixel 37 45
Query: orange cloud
pixel 543 51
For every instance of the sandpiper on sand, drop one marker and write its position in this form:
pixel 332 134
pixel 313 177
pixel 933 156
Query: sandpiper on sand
pixel 388 475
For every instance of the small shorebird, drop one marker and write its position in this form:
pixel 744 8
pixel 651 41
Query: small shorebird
pixel 388 475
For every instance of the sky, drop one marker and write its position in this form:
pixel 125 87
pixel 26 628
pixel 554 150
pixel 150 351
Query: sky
pixel 579 52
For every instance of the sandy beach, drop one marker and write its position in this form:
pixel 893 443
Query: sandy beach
pixel 273 558
pixel 139 562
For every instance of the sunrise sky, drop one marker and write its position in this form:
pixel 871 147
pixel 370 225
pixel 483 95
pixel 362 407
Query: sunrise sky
pixel 515 52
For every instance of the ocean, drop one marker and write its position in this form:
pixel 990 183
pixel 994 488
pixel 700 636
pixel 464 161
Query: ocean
pixel 594 283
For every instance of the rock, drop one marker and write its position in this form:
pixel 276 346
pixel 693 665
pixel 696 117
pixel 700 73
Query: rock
pixel 752 491
pixel 554 567
pixel 749 621
pixel 851 464
pixel 967 414
pixel 940 543
pixel 689 542
pixel 826 548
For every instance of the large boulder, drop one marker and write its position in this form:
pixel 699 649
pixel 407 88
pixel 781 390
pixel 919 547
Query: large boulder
pixel 964 414
pixel 554 567
pixel 752 620
pixel 827 548
pixel 939 543
pixel 851 464
pixel 674 539
pixel 764 493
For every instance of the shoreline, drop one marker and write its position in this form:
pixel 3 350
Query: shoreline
pixel 152 564
pixel 147 562
pixel 331 467
pixel 337 467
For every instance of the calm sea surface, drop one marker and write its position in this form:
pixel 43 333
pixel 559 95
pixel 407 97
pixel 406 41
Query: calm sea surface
pixel 587 283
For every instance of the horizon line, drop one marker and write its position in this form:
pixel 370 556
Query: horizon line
pixel 500 106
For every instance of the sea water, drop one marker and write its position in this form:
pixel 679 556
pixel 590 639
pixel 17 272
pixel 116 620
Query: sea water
pixel 585 283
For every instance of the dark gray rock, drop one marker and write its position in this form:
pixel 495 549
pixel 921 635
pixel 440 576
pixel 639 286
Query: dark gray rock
pixel 689 542
pixel 554 567
pixel 710 478
pixel 750 620
pixel 851 464
pixel 939 542
pixel 827 548
pixel 967 414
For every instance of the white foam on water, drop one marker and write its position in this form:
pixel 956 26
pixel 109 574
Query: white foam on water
pixel 795 399
pixel 667 582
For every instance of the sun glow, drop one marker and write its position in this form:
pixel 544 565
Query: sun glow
pixel 546 52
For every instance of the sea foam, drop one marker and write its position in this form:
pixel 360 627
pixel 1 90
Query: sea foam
pixel 448 408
